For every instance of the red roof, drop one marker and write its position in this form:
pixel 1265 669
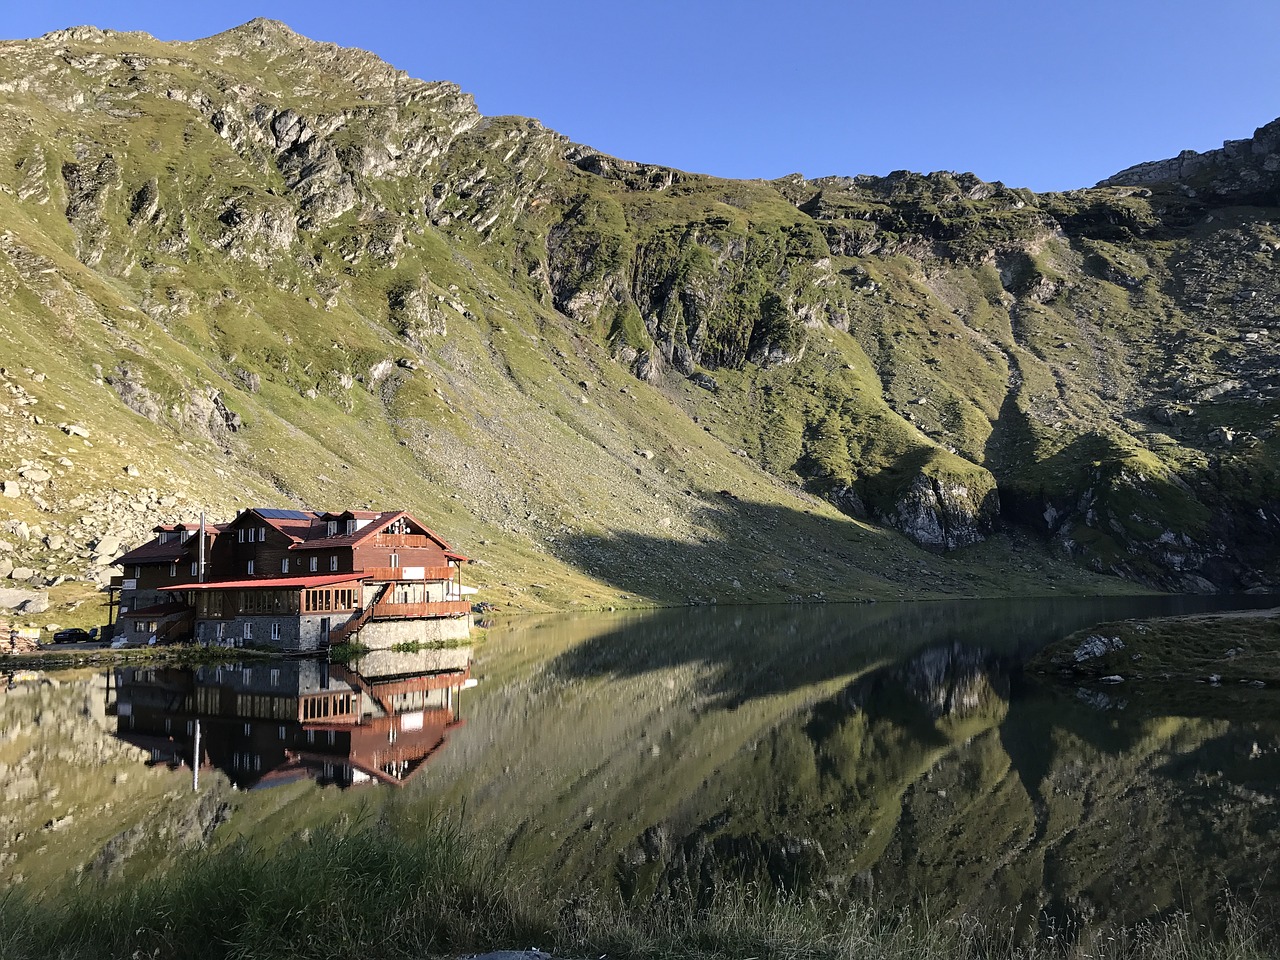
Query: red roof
pixel 275 583
pixel 318 538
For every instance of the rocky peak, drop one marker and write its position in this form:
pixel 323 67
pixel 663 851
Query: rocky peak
pixel 90 34
pixel 1241 171
pixel 267 31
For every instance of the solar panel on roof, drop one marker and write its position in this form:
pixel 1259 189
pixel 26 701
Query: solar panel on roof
pixel 269 513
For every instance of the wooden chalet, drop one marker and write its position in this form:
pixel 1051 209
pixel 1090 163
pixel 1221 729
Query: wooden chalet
pixel 171 558
pixel 304 580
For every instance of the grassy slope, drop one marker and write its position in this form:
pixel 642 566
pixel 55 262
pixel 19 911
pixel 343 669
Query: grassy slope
pixel 516 433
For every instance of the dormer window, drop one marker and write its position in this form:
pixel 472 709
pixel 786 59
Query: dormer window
pixel 351 525
pixel 186 535
pixel 331 528
pixel 164 536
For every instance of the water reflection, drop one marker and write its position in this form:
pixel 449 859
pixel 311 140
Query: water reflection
pixel 891 750
pixel 894 750
pixel 266 723
pixel 762 651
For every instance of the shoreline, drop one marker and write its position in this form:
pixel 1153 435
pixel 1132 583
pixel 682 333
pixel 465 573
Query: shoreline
pixel 1232 646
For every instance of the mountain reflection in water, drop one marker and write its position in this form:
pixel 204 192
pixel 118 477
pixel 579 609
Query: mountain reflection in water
pixel 896 751
pixel 265 723
pixel 892 751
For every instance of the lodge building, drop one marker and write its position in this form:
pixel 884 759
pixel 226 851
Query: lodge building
pixel 297 580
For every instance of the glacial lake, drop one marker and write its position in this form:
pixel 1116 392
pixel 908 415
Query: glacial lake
pixel 893 751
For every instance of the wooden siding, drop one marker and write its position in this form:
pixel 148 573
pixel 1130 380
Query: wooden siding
pixel 403 540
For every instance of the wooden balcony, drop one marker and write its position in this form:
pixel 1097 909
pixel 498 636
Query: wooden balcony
pixel 410 573
pixel 418 611
pixel 401 540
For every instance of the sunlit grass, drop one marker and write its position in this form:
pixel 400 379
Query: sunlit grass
pixel 431 890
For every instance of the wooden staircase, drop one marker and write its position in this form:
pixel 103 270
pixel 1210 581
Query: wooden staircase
pixel 341 634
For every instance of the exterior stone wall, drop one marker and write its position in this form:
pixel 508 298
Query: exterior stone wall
pixel 296 633
pixel 381 634
pixel 312 632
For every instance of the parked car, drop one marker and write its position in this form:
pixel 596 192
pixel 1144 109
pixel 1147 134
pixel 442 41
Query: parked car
pixel 72 635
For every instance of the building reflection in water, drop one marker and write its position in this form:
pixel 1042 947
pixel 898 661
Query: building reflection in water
pixel 266 723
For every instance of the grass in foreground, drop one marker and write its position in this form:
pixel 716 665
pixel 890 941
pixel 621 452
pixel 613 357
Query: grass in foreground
pixel 373 890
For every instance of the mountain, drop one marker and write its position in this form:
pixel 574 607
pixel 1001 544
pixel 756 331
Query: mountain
pixel 258 269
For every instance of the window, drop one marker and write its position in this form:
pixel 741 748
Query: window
pixel 395 560
pixel 315 564
pixel 248 630
pixel 137 572
pixel 351 526
pixel 275 672
pixel 186 535
pixel 240 534
pixel 173 568
pixel 331 528
pixel 262 534
pixel 195 568
pixel 333 562
pixel 284 564
pixel 222 629
pixel 282 733
pixel 248 730
pixel 248 567
pixel 275 635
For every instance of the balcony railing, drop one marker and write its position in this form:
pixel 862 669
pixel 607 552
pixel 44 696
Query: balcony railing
pixel 410 611
pixel 401 540
pixel 410 573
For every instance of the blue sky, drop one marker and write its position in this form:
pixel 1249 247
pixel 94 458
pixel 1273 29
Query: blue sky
pixel 1045 95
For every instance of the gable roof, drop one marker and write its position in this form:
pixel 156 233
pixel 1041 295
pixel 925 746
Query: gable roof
pixel 308 529
pixel 319 539
pixel 168 550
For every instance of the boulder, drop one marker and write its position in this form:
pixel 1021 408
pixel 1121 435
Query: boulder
pixel 15 598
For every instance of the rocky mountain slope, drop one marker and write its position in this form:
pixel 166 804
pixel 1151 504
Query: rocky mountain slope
pixel 259 269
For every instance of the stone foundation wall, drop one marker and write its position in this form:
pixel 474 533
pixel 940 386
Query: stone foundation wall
pixel 381 634
pixel 296 633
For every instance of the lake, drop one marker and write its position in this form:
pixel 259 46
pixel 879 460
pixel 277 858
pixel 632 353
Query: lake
pixel 894 751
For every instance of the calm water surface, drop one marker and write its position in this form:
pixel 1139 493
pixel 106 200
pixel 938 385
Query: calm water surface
pixel 890 750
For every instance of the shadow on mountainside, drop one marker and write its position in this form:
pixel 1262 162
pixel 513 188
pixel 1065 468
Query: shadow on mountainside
pixel 731 550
